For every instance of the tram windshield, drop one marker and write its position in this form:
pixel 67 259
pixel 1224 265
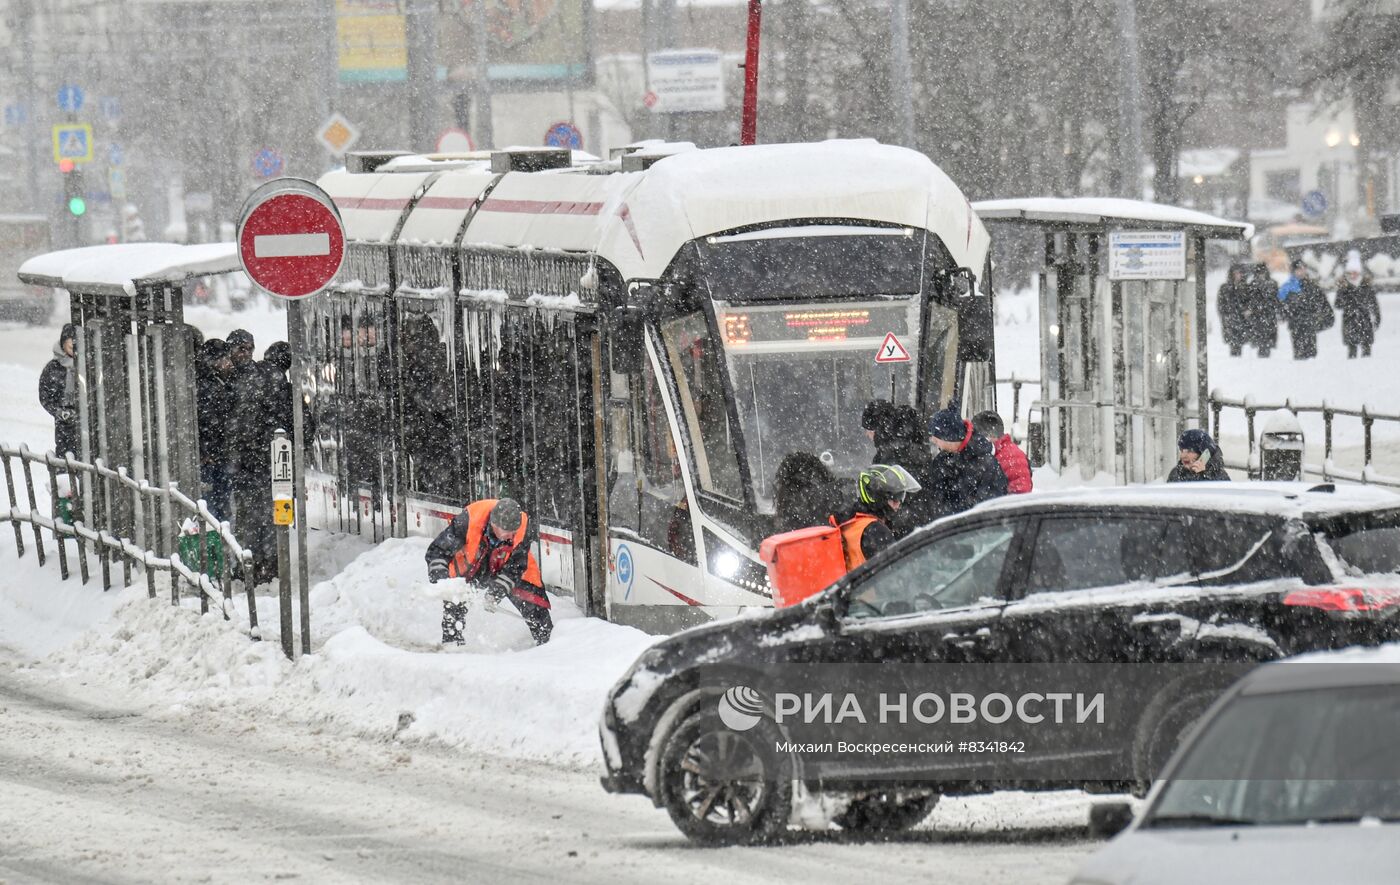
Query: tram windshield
pixel 803 374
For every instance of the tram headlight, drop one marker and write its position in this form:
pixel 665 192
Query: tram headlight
pixel 1054 330
pixel 727 565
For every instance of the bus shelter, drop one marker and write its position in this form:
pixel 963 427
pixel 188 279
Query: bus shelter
pixel 135 357
pixel 1122 291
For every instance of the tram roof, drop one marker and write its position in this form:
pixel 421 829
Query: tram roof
pixel 116 269
pixel 1111 212
pixel 640 220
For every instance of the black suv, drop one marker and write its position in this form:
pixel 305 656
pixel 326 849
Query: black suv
pixel 1238 572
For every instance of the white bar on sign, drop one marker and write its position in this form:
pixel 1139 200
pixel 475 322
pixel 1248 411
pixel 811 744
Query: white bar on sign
pixel 291 245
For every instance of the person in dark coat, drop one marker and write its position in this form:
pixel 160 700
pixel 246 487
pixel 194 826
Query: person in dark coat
pixel 965 469
pixel 263 405
pixel 58 393
pixel 1200 459
pixel 877 420
pixel 1306 309
pixel 214 405
pixel 805 493
pixel 1361 311
pixel 1262 314
pixel 1232 302
pixel 908 447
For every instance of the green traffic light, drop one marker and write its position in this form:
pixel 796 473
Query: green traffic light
pixel 77 206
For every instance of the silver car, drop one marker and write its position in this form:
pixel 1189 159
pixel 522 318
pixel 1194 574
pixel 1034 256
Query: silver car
pixel 1292 777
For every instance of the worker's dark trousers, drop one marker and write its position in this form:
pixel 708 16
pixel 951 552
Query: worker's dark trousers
pixel 537 618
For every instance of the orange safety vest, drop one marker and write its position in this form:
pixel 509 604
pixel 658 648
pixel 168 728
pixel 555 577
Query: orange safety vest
pixel 852 530
pixel 465 562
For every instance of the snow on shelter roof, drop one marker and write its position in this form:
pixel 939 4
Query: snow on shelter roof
pixel 115 269
pixel 1112 212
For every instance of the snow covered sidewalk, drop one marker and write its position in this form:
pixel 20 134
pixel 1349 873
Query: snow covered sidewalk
pixel 377 668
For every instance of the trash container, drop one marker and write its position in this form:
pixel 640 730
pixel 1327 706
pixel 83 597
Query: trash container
pixel 191 542
pixel 1281 447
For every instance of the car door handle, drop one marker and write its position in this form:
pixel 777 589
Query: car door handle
pixel 978 639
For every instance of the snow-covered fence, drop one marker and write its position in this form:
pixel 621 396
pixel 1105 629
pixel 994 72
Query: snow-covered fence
pixel 126 520
pixel 1328 468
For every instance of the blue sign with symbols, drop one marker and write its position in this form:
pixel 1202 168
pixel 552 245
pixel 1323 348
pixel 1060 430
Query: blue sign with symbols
pixel 111 108
pixel 564 135
pixel 16 114
pixel 625 574
pixel 267 163
pixel 115 154
pixel 1314 203
pixel 70 98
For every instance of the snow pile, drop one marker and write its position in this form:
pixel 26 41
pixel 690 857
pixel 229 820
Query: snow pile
pixel 379 671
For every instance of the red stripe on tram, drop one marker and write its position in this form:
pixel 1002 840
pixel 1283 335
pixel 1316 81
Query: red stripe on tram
pixel 676 593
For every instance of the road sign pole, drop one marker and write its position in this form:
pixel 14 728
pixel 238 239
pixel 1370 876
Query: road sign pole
pixel 280 457
pixel 294 335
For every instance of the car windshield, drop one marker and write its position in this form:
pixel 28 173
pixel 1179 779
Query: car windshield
pixel 1367 545
pixel 1290 758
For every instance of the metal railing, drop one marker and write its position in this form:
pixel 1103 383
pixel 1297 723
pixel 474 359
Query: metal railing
pixel 1016 384
pixel 130 522
pixel 1327 469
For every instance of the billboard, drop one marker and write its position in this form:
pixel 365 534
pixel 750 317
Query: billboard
pixel 533 44
pixel 371 41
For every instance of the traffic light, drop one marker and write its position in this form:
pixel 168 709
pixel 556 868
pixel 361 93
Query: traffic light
pixel 73 192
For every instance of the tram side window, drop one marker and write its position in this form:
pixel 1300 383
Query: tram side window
pixel 693 354
pixel 362 386
pixel 428 406
pixel 664 512
pixel 622 460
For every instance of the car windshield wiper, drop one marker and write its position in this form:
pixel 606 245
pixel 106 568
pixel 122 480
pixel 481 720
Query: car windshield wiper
pixel 1195 820
pixel 1337 819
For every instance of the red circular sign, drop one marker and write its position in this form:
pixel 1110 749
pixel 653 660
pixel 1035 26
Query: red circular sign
pixel 291 244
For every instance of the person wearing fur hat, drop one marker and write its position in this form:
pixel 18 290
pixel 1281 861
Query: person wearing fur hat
pixel 965 471
pixel 58 393
pixel 1200 459
pixel 1361 312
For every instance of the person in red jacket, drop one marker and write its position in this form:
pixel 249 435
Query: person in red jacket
pixel 489 543
pixel 1013 461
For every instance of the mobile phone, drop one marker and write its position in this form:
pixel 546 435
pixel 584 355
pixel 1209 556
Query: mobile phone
pixel 1204 458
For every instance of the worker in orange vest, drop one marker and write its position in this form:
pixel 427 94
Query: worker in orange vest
pixel 865 531
pixel 489 543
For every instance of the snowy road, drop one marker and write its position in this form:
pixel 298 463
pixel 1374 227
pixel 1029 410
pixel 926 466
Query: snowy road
pixel 92 793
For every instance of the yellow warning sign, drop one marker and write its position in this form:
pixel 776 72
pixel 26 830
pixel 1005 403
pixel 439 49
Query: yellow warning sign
pixel 282 512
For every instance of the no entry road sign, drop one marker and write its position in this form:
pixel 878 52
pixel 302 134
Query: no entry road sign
pixel 290 239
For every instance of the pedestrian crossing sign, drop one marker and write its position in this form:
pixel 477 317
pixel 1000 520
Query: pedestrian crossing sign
pixel 72 141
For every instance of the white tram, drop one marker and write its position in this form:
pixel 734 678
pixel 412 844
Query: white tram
pixel 632 347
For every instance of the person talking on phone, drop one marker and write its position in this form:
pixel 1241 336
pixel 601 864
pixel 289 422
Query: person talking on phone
pixel 1199 459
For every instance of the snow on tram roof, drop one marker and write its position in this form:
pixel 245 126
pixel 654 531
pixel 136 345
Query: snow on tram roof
pixel 640 220
pixel 1095 210
pixel 114 268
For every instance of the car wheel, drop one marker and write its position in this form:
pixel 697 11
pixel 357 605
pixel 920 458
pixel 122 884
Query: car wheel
pixel 1166 721
pixel 885 813
pixel 726 787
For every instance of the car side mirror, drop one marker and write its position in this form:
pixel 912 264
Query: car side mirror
pixel 1108 819
pixel 831 607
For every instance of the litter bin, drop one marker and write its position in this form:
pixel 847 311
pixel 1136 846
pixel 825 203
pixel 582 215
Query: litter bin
pixel 1281 447
pixel 190 543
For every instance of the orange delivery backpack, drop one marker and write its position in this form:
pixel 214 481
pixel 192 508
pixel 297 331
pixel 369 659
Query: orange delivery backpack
pixel 802 562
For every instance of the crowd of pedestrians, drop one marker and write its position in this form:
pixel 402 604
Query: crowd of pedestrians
pixel 1252 306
